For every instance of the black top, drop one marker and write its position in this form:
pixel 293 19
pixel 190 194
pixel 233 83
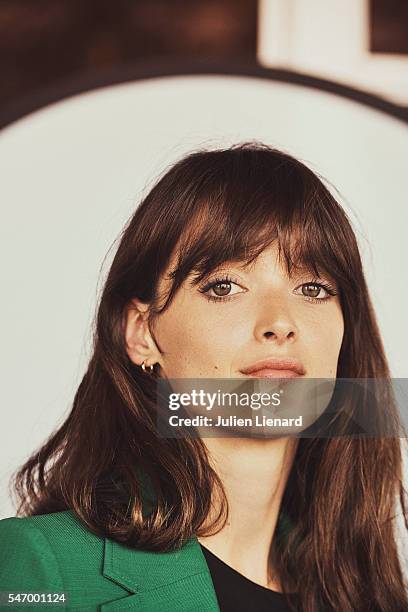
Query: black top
pixel 236 593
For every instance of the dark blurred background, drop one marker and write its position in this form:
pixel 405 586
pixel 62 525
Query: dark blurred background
pixel 42 41
pixel 46 41
pixel 389 26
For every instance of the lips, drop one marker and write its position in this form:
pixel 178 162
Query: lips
pixel 275 368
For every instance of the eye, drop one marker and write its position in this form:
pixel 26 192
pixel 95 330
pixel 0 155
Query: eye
pixel 315 292
pixel 220 289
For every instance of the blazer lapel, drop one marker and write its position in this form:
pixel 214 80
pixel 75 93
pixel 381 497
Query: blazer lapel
pixel 160 582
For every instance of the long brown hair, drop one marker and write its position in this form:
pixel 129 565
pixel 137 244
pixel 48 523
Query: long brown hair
pixel 212 207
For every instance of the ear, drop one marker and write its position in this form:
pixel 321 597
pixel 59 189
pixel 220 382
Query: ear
pixel 140 345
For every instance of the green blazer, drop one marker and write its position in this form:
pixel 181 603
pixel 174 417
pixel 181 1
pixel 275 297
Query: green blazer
pixel 57 553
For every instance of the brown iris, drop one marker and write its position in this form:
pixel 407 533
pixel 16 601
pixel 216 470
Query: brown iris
pixel 311 290
pixel 221 288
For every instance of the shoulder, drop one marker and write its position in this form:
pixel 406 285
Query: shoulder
pixel 60 532
pixel 57 553
pixel 53 552
pixel 65 520
pixel 27 561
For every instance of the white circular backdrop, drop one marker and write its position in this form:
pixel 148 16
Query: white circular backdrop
pixel 73 172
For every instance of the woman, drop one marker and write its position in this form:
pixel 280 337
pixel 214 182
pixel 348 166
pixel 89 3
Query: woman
pixel 235 257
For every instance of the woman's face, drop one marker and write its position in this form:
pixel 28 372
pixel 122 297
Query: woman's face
pixel 238 316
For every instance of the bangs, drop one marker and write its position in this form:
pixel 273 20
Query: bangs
pixel 250 202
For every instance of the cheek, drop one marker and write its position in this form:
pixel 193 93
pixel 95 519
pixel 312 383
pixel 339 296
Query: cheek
pixel 199 338
pixel 323 334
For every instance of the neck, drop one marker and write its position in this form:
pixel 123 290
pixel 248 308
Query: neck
pixel 254 475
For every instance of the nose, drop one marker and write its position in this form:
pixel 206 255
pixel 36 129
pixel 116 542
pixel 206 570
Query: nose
pixel 279 329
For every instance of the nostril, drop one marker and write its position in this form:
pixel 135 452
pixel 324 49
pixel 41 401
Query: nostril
pixel 271 334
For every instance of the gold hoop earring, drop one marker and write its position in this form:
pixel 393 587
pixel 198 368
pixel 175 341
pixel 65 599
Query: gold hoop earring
pixel 151 367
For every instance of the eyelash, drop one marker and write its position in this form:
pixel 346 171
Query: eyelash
pixel 227 279
pixel 216 281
